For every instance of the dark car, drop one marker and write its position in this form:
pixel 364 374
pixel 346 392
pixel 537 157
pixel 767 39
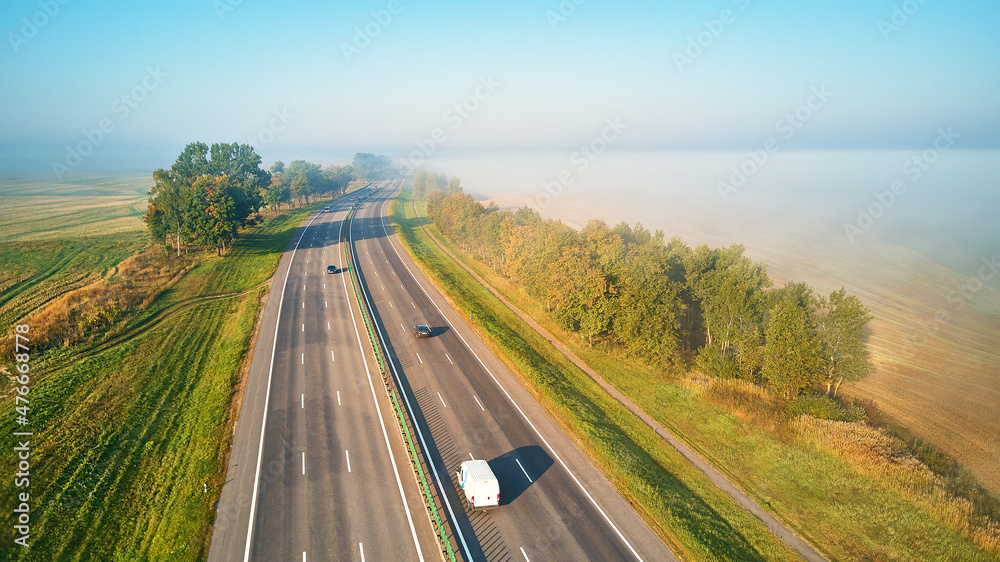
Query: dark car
pixel 422 331
pixel 331 269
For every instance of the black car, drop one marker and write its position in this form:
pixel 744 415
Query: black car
pixel 422 331
pixel 331 269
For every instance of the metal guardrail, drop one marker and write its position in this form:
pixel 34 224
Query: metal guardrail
pixel 401 417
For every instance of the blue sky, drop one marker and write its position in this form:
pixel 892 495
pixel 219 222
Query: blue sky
pixel 276 73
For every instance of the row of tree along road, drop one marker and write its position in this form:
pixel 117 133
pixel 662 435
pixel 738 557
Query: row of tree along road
pixel 210 193
pixel 664 301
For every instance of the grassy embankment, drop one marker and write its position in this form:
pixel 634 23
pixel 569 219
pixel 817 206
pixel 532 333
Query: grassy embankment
pixel 862 504
pixel 695 519
pixel 128 433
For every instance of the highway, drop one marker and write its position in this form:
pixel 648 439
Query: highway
pixel 555 505
pixel 317 469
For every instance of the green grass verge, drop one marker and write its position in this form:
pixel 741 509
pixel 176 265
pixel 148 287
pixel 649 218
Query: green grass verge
pixel 695 519
pixel 127 437
pixel 35 272
pixel 844 514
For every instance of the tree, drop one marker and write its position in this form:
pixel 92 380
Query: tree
pixel 728 289
pixel 840 323
pixel 304 178
pixel 337 178
pixel 223 205
pixel 369 166
pixel 454 185
pixel 792 354
pixel 276 193
pixel 166 207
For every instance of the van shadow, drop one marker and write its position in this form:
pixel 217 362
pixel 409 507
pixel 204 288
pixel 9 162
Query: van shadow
pixel 512 478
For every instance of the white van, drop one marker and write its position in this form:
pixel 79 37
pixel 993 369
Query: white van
pixel 480 485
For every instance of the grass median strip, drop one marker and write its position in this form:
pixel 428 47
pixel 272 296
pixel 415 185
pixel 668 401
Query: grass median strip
pixel 691 515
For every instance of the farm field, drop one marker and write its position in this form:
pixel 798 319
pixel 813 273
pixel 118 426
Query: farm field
pixel 86 204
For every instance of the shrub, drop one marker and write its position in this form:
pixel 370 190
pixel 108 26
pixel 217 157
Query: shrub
pixel 818 406
pixel 714 363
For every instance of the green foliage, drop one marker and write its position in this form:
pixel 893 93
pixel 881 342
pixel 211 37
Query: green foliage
pixel 792 356
pixel 653 298
pixel 841 320
pixel 368 166
pixel 818 406
pixel 714 363
pixel 207 195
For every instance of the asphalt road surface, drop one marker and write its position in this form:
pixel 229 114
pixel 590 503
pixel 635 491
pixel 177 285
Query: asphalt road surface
pixel 555 505
pixel 318 470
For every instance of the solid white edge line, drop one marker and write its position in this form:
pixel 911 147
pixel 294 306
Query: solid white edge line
pixel 378 410
pixel 509 397
pixel 420 435
pixel 267 398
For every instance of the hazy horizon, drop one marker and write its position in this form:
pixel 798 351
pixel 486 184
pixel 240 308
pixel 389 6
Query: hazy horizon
pixel 90 82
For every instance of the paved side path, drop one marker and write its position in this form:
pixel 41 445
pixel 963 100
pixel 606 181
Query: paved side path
pixel 779 529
